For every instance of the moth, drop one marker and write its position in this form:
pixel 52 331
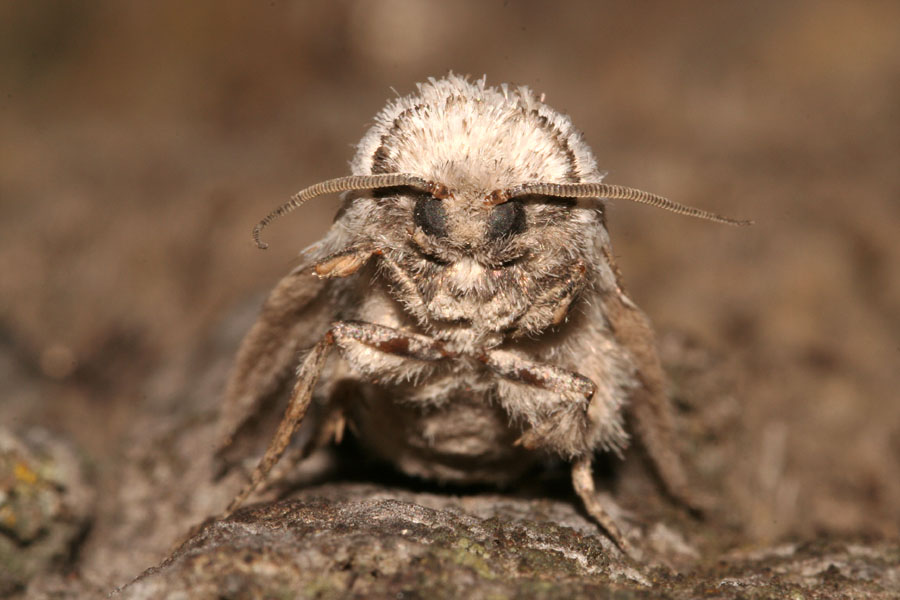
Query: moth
pixel 464 314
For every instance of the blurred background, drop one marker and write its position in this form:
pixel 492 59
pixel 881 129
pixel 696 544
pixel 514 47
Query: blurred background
pixel 140 143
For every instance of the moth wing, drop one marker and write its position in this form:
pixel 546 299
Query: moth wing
pixel 649 405
pixel 294 316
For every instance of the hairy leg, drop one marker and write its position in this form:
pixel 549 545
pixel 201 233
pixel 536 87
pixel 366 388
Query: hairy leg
pixel 514 367
pixel 331 429
pixel 583 482
pixel 301 395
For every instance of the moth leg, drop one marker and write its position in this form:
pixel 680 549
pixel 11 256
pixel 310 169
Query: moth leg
pixel 301 395
pixel 513 367
pixel 583 482
pixel 554 303
pixel 555 408
pixel 331 430
pixel 388 340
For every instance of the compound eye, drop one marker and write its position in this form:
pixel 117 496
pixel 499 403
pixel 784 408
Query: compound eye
pixel 430 216
pixel 506 219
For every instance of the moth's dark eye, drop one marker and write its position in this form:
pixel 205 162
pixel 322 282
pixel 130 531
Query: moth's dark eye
pixel 506 219
pixel 429 214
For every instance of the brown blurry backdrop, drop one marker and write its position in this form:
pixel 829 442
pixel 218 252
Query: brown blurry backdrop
pixel 140 142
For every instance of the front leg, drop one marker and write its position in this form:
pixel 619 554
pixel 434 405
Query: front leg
pixel 553 401
pixel 301 395
pixel 514 367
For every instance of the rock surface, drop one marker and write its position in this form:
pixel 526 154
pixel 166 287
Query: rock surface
pixel 366 541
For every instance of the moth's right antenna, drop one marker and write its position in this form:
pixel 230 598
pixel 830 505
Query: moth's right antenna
pixel 341 184
pixel 612 192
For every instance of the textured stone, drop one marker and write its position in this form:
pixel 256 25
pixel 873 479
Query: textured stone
pixel 366 541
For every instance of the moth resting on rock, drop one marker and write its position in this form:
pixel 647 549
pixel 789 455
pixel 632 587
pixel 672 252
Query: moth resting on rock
pixel 469 290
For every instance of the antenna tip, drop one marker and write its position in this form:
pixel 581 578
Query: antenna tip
pixel 256 231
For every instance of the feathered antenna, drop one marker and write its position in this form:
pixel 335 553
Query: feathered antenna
pixel 342 184
pixel 612 192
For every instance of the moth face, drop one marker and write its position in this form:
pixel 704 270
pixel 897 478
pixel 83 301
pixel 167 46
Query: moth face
pixel 451 229
pixel 467 261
